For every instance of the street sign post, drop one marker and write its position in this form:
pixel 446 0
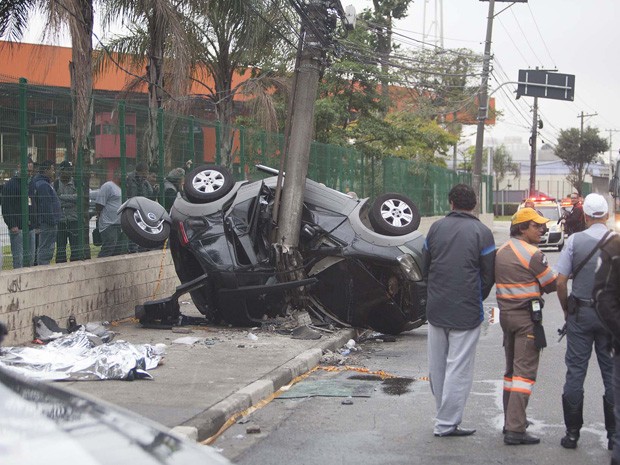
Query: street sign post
pixel 544 84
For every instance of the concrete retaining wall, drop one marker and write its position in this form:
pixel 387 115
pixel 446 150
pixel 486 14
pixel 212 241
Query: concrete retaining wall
pixel 102 289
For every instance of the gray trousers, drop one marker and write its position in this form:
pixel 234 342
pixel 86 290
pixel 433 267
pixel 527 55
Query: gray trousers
pixel 451 356
pixel 584 330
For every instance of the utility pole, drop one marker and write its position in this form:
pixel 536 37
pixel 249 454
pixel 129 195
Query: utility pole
pixel 302 128
pixel 533 141
pixel 482 106
pixel 314 41
pixel 611 162
pixel 582 116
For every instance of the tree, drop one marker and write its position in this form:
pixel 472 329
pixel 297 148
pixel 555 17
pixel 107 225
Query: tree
pixel 158 43
pixel 577 150
pixel 384 12
pixel 467 164
pixel 14 17
pixel 349 95
pixel 503 164
pixel 235 37
pixel 423 139
pixel 441 82
pixel 79 16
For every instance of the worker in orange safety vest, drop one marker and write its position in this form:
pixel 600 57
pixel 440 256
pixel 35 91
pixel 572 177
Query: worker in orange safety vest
pixel 522 274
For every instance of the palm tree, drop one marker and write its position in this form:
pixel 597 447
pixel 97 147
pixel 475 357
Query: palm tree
pixel 14 17
pixel 79 16
pixel 157 42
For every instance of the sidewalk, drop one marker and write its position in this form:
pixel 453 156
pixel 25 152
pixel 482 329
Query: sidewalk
pixel 202 385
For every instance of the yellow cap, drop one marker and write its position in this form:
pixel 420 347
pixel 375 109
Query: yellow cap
pixel 528 214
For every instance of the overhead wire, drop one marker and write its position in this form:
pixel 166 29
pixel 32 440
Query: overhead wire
pixel 525 36
pixel 540 35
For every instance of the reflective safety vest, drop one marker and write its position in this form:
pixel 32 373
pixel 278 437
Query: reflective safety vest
pixel 521 274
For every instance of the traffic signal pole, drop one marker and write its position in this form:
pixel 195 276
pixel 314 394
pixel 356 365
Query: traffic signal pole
pixel 533 140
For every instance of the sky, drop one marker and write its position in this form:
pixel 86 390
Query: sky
pixel 572 36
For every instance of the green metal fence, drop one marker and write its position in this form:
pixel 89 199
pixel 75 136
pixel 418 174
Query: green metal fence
pixel 35 125
pixel 429 185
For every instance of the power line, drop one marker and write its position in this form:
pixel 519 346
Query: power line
pixel 540 35
pixel 525 37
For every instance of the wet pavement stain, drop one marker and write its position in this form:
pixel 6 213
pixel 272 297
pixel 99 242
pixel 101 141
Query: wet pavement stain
pixel 396 386
pixel 390 386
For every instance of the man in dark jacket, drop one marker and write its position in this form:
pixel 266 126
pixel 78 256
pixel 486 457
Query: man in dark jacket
pixel 574 221
pixel 607 303
pixel 172 185
pixel 459 255
pixel 68 226
pixel 47 211
pixel 12 214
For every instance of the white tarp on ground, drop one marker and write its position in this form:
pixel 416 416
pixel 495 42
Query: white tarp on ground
pixel 82 356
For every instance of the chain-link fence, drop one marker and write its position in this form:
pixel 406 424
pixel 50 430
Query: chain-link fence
pixel 35 127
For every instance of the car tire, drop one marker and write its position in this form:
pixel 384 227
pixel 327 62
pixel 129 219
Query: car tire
pixel 394 214
pixel 141 233
pixel 207 183
pixel 560 247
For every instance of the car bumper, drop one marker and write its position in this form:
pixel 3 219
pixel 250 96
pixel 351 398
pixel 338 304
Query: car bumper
pixel 552 239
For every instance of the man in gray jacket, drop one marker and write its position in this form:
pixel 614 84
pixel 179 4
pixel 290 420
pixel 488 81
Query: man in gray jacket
pixel 460 262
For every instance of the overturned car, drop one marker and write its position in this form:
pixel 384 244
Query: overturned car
pixel 362 260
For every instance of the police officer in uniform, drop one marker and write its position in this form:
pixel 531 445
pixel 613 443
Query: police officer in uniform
pixel 584 329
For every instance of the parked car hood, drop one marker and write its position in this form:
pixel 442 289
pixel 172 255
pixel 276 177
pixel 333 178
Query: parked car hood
pixel 43 424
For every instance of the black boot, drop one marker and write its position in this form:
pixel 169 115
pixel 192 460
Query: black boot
pixel 573 419
pixel 610 422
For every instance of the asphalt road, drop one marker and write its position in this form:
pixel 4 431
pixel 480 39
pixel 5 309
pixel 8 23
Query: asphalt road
pixel 394 424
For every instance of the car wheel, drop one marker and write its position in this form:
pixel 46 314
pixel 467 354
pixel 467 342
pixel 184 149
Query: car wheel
pixel 207 183
pixel 560 247
pixel 142 233
pixel 394 214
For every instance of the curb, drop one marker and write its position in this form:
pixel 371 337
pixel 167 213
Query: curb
pixel 211 420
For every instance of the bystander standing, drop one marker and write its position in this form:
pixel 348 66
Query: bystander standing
pixel 574 221
pixel 12 214
pixel 46 206
pixel 172 185
pixel 459 256
pixel 68 224
pixel 113 240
